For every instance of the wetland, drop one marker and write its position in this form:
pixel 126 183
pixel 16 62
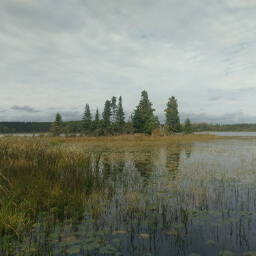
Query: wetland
pixel 128 195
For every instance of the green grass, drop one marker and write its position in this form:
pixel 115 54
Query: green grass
pixel 37 176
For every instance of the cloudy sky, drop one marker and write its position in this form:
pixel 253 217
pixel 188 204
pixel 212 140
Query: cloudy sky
pixel 56 56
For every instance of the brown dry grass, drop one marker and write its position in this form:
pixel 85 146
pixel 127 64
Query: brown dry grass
pixel 137 139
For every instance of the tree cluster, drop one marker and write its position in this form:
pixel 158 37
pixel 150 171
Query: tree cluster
pixel 112 119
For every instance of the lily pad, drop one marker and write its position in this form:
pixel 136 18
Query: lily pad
pixel 116 240
pixel 172 232
pixel 210 242
pixel 108 249
pixel 177 225
pixel 226 253
pixel 249 253
pixel 119 232
pixel 92 240
pixel 91 247
pixel 74 249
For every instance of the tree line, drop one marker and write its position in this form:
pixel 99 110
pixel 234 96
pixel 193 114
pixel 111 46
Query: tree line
pixel 25 127
pixel 112 120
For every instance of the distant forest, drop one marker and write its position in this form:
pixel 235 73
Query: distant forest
pixel 77 127
pixel 112 121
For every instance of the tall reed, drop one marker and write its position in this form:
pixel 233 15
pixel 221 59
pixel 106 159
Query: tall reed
pixel 38 176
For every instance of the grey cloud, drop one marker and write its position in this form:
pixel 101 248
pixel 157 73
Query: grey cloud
pixel 248 90
pixel 88 51
pixel 70 115
pixel 44 15
pixel 214 98
pixel 2 111
pixel 24 108
pixel 50 117
pixel 3 118
pixel 226 118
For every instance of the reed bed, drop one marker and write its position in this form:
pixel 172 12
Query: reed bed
pixel 136 139
pixel 38 176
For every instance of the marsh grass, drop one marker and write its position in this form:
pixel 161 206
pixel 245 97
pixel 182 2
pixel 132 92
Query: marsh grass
pixel 134 138
pixel 37 176
pixel 55 191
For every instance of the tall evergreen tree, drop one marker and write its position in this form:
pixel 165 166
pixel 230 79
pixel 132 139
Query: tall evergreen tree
pixel 106 115
pixel 87 119
pixel 57 127
pixel 172 115
pixel 120 116
pixel 187 126
pixel 97 119
pixel 144 120
pixel 113 109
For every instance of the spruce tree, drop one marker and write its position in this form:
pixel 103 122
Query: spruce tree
pixel 106 115
pixel 97 119
pixel 113 107
pixel 172 116
pixel 87 119
pixel 187 127
pixel 57 127
pixel 120 116
pixel 144 120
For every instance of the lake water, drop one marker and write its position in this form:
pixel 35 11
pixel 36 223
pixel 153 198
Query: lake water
pixel 19 134
pixel 178 199
pixel 230 134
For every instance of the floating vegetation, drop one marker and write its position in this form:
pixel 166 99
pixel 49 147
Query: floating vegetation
pixel 108 249
pixel 172 232
pixel 144 235
pixel 226 253
pixel 249 253
pixel 119 232
pixel 177 225
pixel 210 242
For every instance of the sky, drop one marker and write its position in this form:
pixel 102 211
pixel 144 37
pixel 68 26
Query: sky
pixel 56 56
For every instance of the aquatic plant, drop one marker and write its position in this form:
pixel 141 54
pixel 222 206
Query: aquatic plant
pixel 38 177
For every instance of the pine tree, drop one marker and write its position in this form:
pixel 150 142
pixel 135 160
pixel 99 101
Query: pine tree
pixel 87 119
pixel 57 127
pixel 120 116
pixel 106 115
pixel 172 116
pixel 187 127
pixel 144 121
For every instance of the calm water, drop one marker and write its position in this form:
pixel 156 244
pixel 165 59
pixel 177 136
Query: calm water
pixel 180 199
pixel 234 134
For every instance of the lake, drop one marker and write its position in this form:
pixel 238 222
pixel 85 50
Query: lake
pixel 230 134
pixel 185 198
